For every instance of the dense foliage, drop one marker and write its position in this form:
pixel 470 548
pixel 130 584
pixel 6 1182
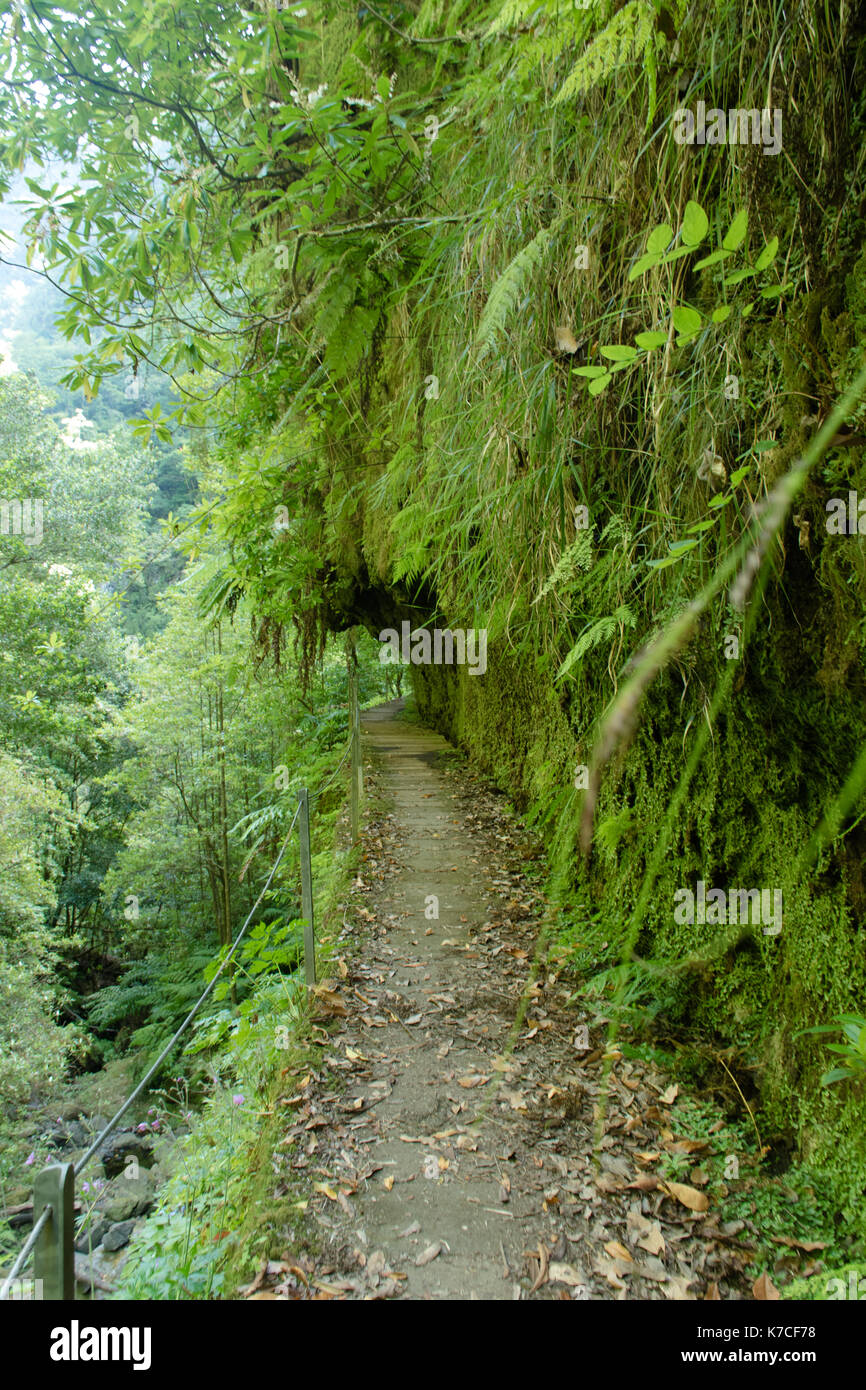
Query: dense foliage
pixel 457 329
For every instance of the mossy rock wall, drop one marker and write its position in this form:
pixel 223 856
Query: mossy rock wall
pixel 750 810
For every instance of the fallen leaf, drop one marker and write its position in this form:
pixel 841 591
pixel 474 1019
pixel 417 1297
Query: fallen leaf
pixel 389 1182
pixel 329 1002
pixel 617 1251
pixel 712 1294
pixel 542 1259
pixel 807 1245
pixel 678 1287
pixel 653 1241
pixel 645 1182
pixel 467 1082
pixel 688 1196
pixel 559 1273
pixel 669 1096
pixel 764 1289
pixel 429 1254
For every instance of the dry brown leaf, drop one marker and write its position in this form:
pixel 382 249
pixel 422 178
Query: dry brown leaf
pixel 764 1289
pixel 807 1245
pixel 688 1196
pixel 653 1241
pixel 712 1294
pixel 329 1003
pixel 669 1096
pixel 542 1258
pixel 617 1251
pixel 644 1182
pixel 559 1273
pixel 388 1182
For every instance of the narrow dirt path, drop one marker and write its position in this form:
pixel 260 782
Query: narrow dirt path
pixel 448 1139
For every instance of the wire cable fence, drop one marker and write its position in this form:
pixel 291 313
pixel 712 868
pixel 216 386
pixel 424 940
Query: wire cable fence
pixel 52 1236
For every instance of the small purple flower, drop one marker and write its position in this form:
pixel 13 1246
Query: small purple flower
pixel 154 1124
pixel 142 1128
pixel 237 1100
pixel 152 1110
pixel 85 1187
pixel 31 1158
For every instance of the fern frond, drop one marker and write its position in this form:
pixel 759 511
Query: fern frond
pixel 596 633
pixel 628 35
pixel 350 340
pixel 575 559
pixel 511 285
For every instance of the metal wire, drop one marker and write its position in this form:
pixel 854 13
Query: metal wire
pixel 25 1252
pixel 190 1016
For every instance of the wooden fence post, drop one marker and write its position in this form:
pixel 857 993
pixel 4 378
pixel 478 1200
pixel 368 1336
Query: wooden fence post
pixel 357 782
pixel 53 1256
pixel 307 888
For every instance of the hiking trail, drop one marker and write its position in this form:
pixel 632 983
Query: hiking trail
pixel 448 1139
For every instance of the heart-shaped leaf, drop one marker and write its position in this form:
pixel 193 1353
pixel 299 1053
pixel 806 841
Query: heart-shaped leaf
pixel 619 352
pixel 599 384
pixel 660 237
pixel 686 320
pixel 695 224
pixel 651 340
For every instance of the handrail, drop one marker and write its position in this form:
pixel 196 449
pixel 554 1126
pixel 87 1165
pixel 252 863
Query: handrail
pixel 25 1252
pixel 66 1233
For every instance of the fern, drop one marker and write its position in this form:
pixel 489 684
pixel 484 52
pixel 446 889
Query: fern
pixel 505 294
pixel 350 340
pixel 577 558
pixel 630 36
pixel 600 631
pixel 334 303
